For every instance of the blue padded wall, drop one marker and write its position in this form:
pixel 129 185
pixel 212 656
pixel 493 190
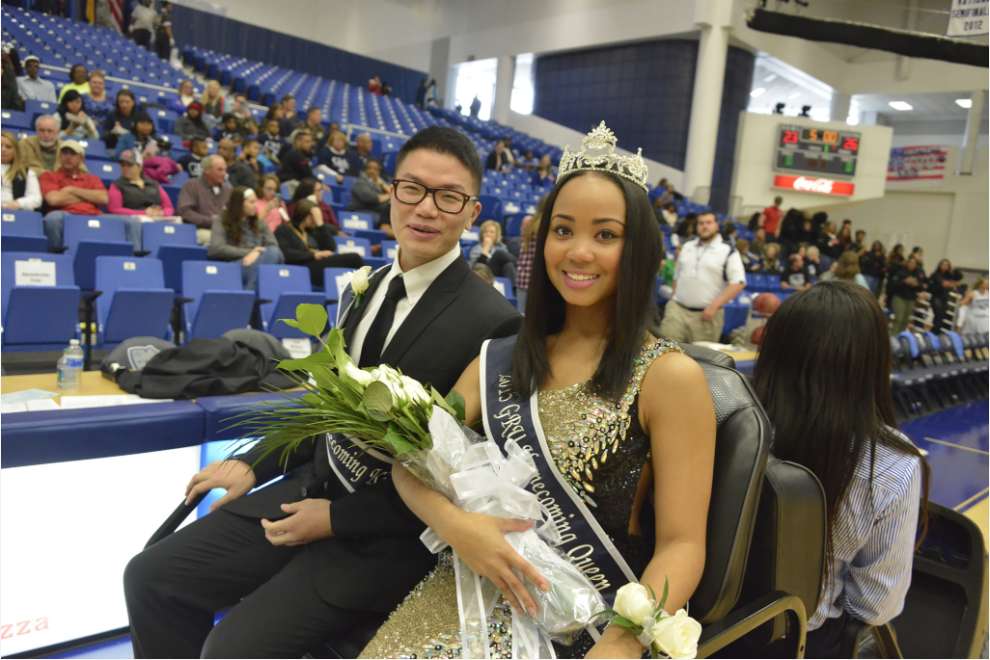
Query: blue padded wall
pixel 225 35
pixel 643 92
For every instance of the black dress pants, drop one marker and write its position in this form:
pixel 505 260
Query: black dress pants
pixel 174 588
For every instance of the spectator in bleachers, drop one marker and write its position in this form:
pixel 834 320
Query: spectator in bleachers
pixel 905 285
pixel 509 156
pixel 795 276
pixel 314 124
pixel 829 244
pixel 813 262
pixel 770 218
pixel 274 112
pixel 543 175
pixel 271 141
pixel 31 87
pixel 246 125
pixel 475 108
pixel 297 161
pixel 844 430
pixel 485 273
pixel 729 232
pixel 363 147
pixel 97 104
pixel 846 269
pixel 10 98
pixel 845 237
pixel 527 252
pixel 771 265
pixel 143 23
pixel 421 92
pixel 859 243
pixel 370 193
pixel 73 122
pixel 202 199
pixel 751 262
pixel 896 258
pixel 41 150
pixel 183 97
pixel 667 214
pixel 164 41
pixel 685 230
pixel 943 281
pixel 490 250
pixel 140 138
pixel 668 196
pixel 121 120
pixel 240 171
pixel 192 162
pixel 709 274
pixel 135 194
pixel 69 190
pixel 192 125
pixel 306 240
pixel 312 189
pixel 212 102
pixel 918 255
pixel 337 159
pixel 497 159
pixel 528 161
pixel 289 120
pixel 240 235
pixel 227 130
pixel 271 206
pixel 80 81
pixel 806 234
pixel 873 265
pixel 375 85
pixel 334 127
pixel 21 191
pixel 977 306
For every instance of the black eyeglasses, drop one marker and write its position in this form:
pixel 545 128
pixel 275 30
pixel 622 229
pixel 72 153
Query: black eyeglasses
pixel 448 201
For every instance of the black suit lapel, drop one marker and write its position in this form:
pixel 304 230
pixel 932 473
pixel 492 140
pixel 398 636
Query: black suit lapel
pixel 438 297
pixel 354 316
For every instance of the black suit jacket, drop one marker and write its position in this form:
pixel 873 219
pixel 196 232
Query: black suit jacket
pixel 375 556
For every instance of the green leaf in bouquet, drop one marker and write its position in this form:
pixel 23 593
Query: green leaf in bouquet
pixel 306 363
pixel 400 445
pixel 456 401
pixel 378 401
pixel 290 322
pixel 337 347
pixel 311 319
pixel 666 590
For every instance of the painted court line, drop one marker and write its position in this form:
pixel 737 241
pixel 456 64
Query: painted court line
pixel 980 495
pixel 952 444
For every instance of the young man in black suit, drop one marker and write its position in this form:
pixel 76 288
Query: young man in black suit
pixel 332 545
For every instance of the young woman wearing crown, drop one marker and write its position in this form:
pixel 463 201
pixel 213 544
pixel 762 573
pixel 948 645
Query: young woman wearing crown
pixel 610 412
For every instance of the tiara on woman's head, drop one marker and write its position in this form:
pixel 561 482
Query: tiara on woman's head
pixel 598 140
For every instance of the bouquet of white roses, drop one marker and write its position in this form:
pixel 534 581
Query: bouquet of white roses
pixel 638 611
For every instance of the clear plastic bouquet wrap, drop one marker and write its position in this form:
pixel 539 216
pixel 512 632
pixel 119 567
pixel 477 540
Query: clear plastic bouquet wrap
pixel 384 410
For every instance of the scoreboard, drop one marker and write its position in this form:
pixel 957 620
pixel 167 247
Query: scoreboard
pixel 817 150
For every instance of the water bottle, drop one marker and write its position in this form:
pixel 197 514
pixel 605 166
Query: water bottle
pixel 70 368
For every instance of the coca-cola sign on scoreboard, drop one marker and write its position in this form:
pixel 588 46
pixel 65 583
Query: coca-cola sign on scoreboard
pixel 814 185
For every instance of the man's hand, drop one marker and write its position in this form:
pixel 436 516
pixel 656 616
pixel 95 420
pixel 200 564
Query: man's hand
pixel 310 521
pixel 708 314
pixel 236 477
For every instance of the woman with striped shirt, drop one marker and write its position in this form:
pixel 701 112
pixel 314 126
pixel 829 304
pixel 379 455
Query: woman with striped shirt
pixel 827 394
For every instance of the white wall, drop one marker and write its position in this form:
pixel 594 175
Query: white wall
pixel 553 133
pixel 947 218
pixel 756 146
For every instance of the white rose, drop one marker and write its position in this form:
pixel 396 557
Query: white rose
pixel 359 279
pixel 677 636
pixel 360 376
pixel 414 391
pixel 633 602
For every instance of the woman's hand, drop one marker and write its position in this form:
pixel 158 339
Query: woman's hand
pixel 252 256
pixel 487 243
pixel 12 206
pixel 340 177
pixel 323 254
pixel 616 642
pixel 479 540
pixel 154 212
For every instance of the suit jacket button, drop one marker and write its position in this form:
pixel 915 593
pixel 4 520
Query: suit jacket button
pixel 302 493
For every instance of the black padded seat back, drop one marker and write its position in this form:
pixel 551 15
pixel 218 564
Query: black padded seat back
pixel 788 549
pixel 742 445
pixel 701 353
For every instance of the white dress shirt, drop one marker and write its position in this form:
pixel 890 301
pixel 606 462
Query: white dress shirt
pixel 704 270
pixel 417 281
pixel 39 89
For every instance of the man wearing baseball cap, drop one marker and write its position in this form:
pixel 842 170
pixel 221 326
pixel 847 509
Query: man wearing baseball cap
pixel 68 190
pixel 33 88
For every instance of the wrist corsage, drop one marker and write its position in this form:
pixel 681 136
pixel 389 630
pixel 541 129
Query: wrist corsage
pixel 638 611
pixel 359 283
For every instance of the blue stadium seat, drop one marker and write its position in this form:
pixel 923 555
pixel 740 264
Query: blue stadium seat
pixel 22 231
pixel 12 119
pixel 89 237
pixel 390 249
pixel 34 109
pixel 219 301
pixel 513 225
pixel 134 303
pixel 756 282
pixel 355 245
pixel 352 220
pixel 106 171
pixel 332 287
pixel 287 287
pixel 504 286
pixel 376 262
pixel 172 243
pixel 491 208
pixel 772 283
pixel 374 236
pixel 40 309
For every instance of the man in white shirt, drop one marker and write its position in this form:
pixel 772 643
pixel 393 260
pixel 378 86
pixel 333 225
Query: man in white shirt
pixel 709 274
pixel 143 22
pixel 33 88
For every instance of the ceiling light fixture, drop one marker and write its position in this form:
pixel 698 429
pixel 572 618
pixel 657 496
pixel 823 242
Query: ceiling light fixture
pixel 794 96
pixel 964 103
pixel 770 78
pixel 901 105
pixel 757 92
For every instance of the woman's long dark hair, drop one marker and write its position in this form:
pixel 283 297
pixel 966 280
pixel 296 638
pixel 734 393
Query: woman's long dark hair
pixel 63 108
pixel 823 375
pixel 233 214
pixel 302 211
pixel 304 189
pixel 635 306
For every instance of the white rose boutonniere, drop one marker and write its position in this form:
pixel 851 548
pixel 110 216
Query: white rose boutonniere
pixel 360 279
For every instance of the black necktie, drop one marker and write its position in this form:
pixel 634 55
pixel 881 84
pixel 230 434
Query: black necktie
pixel 374 342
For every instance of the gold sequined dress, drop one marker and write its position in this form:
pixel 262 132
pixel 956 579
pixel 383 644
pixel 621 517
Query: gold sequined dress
pixel 600 448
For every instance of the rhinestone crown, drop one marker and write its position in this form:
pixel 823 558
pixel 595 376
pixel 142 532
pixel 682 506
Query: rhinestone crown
pixel 598 154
